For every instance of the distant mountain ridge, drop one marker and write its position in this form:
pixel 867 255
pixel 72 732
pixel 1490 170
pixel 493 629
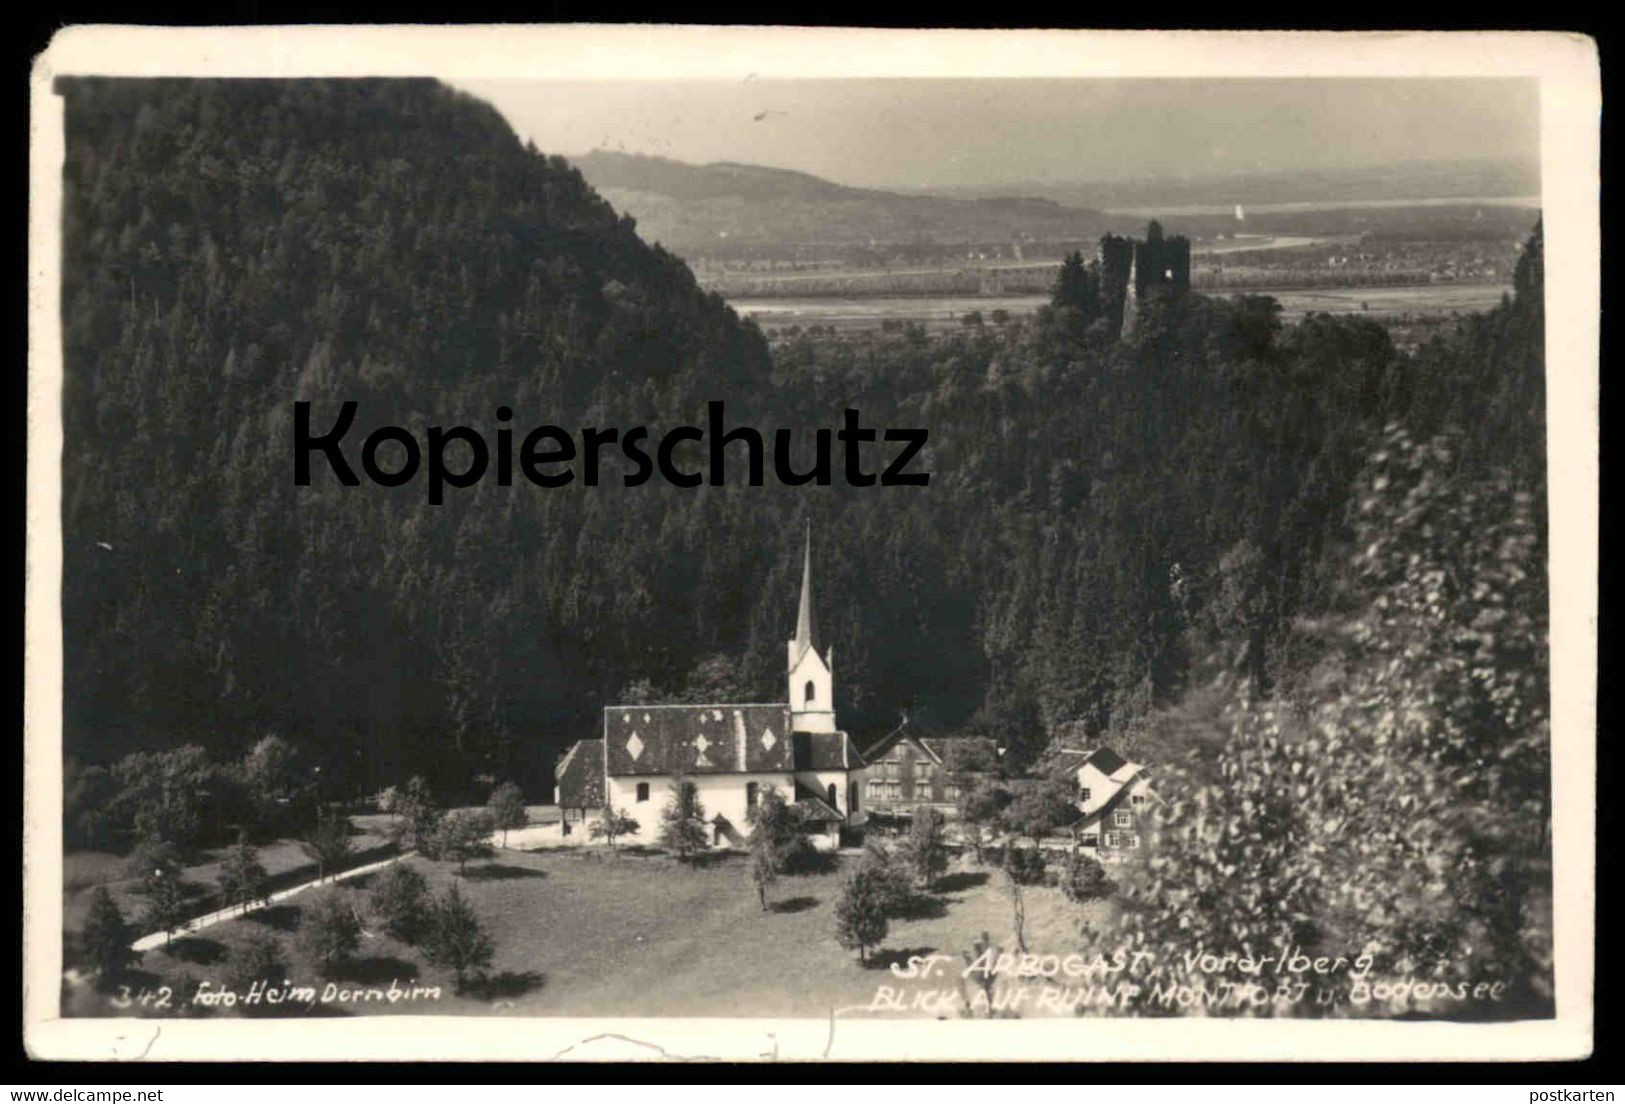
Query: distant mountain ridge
pixel 688 206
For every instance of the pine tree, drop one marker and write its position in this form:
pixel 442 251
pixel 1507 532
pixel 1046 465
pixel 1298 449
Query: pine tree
pixel 328 842
pixel 682 824
pixel 257 959
pixel 776 840
pixel 926 848
pixel 860 914
pixel 457 940
pixel 106 939
pixel 888 877
pixel 243 879
pixel 400 899
pixel 329 931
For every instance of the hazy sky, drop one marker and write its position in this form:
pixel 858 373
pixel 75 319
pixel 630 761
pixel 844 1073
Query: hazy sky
pixel 916 133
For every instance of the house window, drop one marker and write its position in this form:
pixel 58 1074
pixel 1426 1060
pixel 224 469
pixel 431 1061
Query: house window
pixel 1083 793
pixel 750 795
pixel 1138 799
pixel 950 793
pixel 643 791
pixel 810 694
pixel 1123 818
pixel 922 769
pixel 1090 841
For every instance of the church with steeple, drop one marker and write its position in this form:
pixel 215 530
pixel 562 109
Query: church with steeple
pixel 733 752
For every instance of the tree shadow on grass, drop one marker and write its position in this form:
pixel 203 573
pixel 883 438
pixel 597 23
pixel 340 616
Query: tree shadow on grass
pixel 961 879
pixel 810 862
pixel 501 872
pixel 197 950
pixel 704 860
pixel 885 960
pixel 376 970
pixel 508 984
pixel 281 917
pixel 921 906
pixel 794 904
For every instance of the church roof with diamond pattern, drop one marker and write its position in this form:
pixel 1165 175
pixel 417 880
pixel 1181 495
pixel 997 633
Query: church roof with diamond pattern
pixel 697 739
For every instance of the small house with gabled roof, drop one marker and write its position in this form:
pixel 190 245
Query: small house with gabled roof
pixel 1115 797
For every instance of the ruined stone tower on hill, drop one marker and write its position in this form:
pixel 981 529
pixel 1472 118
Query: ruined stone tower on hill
pixel 1130 270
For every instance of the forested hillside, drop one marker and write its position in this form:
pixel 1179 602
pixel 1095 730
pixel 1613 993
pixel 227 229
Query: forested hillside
pixel 1103 520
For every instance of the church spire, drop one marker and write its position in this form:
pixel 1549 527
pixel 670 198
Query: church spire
pixel 806 629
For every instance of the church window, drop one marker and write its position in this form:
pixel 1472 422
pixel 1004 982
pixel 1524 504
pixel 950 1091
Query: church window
pixel 750 795
pixel 643 791
pixel 810 694
pixel 834 794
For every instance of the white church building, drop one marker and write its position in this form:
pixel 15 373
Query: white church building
pixel 732 752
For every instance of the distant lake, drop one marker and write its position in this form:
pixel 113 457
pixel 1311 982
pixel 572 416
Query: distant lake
pixel 1325 205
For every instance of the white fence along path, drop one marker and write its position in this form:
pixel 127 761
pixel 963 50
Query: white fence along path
pixel 208 920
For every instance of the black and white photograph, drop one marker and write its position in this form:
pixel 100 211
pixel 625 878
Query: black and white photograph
pixel 1029 554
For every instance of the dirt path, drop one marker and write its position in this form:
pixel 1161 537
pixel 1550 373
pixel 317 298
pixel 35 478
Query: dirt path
pixel 209 919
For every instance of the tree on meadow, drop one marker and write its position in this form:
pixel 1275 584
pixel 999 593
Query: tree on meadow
pixel 243 878
pixel 400 900
pixel 860 913
pixel 329 929
pixel 775 840
pixel 327 843
pixel 417 816
pixel 611 825
pixel 507 809
pixel 926 847
pixel 106 940
pixel 465 834
pixel 457 940
pixel 682 822
pixel 165 896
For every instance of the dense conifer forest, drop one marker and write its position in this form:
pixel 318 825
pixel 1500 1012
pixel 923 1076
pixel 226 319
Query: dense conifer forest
pixel 1110 524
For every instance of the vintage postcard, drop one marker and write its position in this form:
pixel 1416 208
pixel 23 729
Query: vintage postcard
pixel 668 542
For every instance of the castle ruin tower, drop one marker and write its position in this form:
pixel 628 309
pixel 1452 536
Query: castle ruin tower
pixel 811 675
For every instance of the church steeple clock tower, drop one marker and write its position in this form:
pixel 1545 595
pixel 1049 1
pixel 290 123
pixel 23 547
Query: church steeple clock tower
pixel 811 676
